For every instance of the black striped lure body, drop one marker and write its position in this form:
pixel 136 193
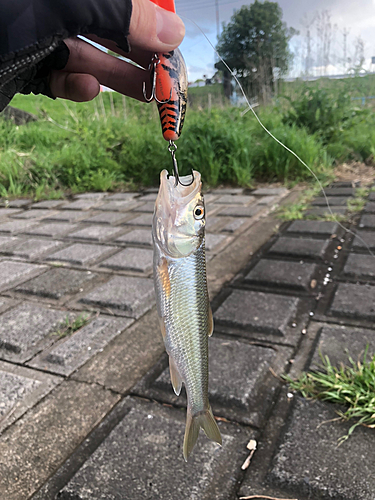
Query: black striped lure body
pixel 171 93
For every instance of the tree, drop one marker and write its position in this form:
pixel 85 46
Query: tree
pixel 254 44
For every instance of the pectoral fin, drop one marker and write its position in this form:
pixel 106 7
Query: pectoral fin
pixel 162 328
pixel 175 376
pixel 210 322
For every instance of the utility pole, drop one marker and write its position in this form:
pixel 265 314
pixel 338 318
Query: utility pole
pixel 217 19
pixel 346 32
pixel 308 56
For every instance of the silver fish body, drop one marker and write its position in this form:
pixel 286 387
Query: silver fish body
pixel 182 298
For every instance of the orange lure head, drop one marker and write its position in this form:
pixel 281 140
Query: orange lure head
pixel 171 93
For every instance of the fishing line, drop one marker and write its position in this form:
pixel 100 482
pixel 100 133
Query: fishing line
pixel 279 142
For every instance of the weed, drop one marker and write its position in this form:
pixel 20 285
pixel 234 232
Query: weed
pixel 68 327
pixel 352 386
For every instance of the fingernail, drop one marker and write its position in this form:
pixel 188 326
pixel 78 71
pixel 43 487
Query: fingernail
pixel 169 27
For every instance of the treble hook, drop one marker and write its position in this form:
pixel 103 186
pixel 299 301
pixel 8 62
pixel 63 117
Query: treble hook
pixel 172 148
pixel 152 67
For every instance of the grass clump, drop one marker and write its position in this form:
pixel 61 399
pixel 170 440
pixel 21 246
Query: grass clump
pixel 68 327
pixel 352 386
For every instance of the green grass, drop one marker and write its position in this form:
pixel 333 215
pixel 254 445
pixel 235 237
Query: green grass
pixel 352 386
pixel 70 326
pixel 82 150
pixel 116 143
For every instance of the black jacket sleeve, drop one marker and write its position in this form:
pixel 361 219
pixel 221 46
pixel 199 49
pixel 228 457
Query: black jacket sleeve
pixel 32 34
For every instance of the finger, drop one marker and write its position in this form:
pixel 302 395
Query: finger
pixel 139 56
pixel 154 29
pixel 74 86
pixel 108 70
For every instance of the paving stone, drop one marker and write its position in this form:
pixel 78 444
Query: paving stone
pixel 313 227
pixel 155 434
pixel 33 214
pixel 212 222
pixel 20 389
pixel 360 266
pixel 6 212
pixel 370 207
pixel 122 196
pixel 234 225
pixel 238 387
pixel 96 233
pixel 14 273
pixel 51 229
pixel 65 357
pixel 125 360
pixel 262 312
pixel 48 434
pixel 137 237
pixel 130 259
pixel 90 196
pixel 209 198
pixel 308 460
pixel 119 205
pixel 269 192
pixel 267 200
pixel 241 211
pixel 343 184
pixel 340 191
pixel 372 196
pixel 48 204
pixel 68 216
pixel 214 240
pixel 332 200
pixel 323 211
pixel 133 296
pixel 33 248
pixel 7 241
pixel 108 218
pixel 57 283
pixel 141 220
pixel 26 329
pixel 17 226
pixel 367 221
pixel 147 207
pixel 81 254
pixel 148 197
pixel 19 203
pixel 338 342
pixel 356 301
pixel 364 238
pixel 300 247
pixel 82 204
pixel 282 273
pixel 227 191
pixel 228 199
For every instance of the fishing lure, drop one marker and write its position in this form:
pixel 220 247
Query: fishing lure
pixel 169 89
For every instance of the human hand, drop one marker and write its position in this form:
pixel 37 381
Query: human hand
pixel 152 29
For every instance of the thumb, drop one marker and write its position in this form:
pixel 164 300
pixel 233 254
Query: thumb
pixel 154 29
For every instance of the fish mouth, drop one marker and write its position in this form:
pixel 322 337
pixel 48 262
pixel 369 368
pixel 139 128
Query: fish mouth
pixel 182 193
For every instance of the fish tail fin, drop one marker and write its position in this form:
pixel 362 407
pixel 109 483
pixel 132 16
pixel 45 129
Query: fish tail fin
pixel 208 423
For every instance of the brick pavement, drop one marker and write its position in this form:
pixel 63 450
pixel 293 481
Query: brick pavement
pixel 91 414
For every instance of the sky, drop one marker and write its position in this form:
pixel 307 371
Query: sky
pixel 357 19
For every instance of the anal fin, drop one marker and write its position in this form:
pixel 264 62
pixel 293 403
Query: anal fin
pixel 175 376
pixel 210 322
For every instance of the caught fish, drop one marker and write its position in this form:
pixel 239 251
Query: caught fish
pixel 182 298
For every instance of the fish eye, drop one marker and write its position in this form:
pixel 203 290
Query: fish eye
pixel 198 212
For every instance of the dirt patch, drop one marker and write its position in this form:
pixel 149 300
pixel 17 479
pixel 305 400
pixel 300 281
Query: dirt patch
pixel 355 172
